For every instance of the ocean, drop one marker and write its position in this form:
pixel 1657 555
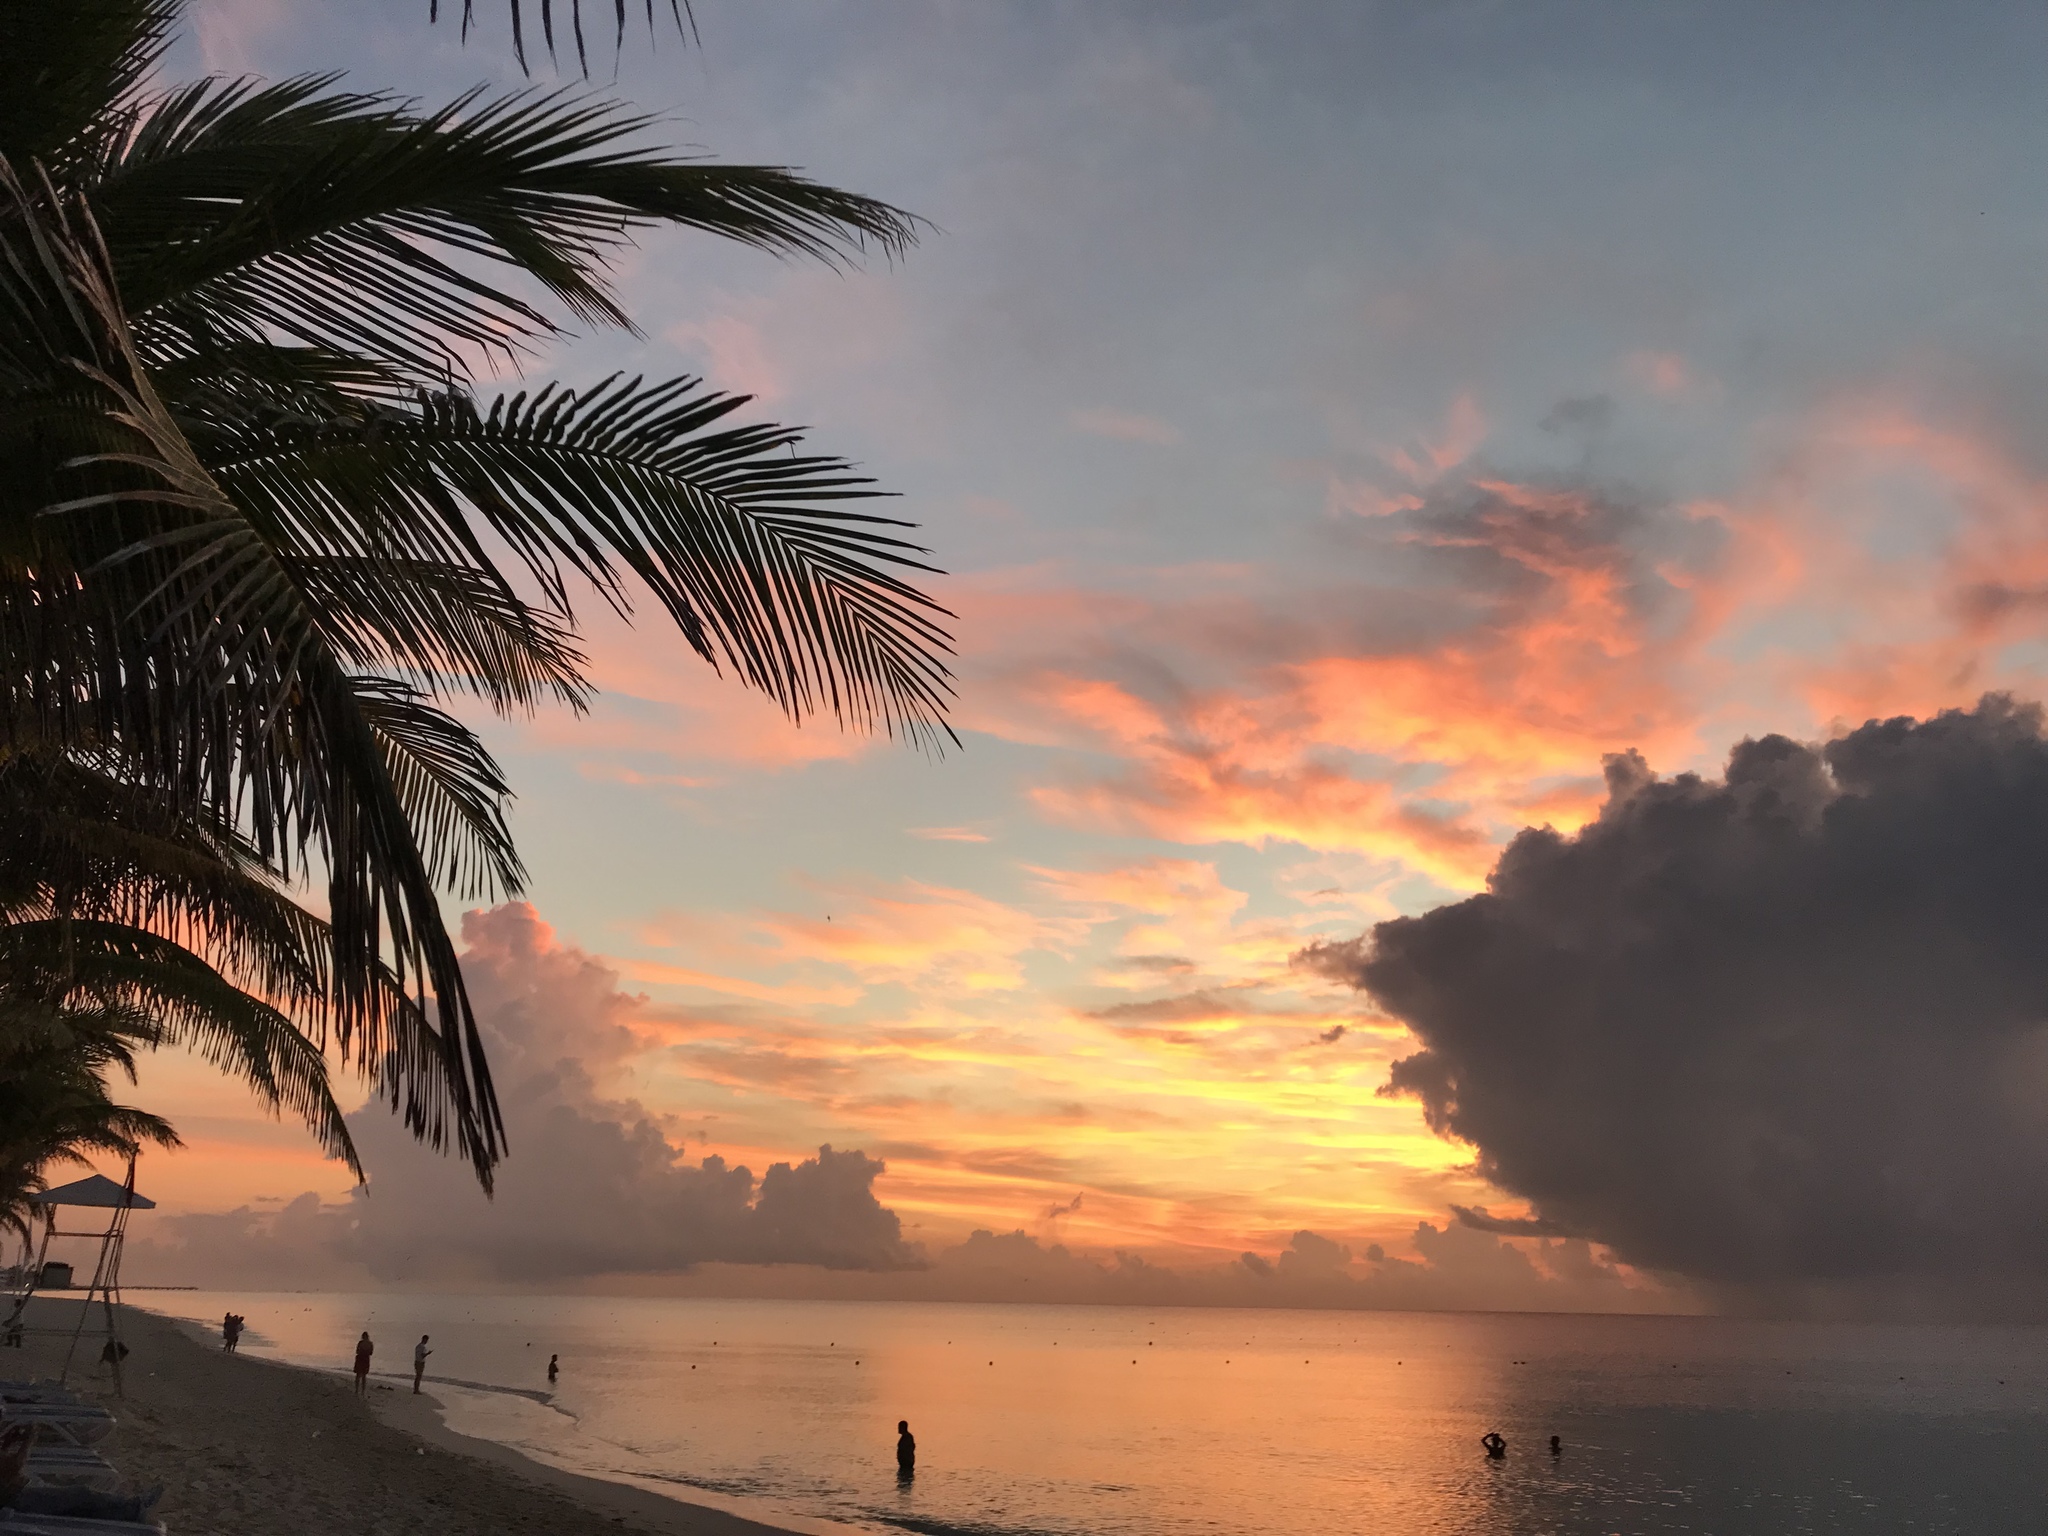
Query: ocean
pixel 1110 1421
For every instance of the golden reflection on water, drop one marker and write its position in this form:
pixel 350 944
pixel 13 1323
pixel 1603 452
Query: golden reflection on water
pixel 1163 1422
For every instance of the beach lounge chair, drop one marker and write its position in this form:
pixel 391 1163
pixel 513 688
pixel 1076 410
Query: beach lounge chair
pixel 71 1464
pixel 79 1423
pixel 14 1523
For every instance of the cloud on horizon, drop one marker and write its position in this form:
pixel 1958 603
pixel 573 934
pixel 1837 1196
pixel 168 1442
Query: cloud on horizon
pixel 305 1244
pixel 594 1184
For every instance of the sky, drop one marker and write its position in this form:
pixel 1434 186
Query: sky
pixel 1343 428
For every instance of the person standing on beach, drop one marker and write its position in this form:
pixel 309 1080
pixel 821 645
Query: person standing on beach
pixel 419 1363
pixel 906 1450
pixel 364 1349
pixel 553 1368
pixel 227 1334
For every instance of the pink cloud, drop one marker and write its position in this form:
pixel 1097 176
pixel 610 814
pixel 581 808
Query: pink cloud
pixel 1662 373
pixel 1464 429
pixel 736 355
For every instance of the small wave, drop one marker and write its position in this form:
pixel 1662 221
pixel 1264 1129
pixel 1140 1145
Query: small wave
pixel 532 1395
pixel 921 1526
pixel 732 1487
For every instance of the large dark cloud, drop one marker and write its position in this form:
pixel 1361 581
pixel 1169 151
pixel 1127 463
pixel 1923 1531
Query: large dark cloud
pixel 1786 1032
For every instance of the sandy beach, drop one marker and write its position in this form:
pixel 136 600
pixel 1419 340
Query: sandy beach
pixel 246 1447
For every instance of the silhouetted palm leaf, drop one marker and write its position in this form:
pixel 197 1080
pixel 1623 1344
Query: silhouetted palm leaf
pixel 174 998
pixel 572 18
pixel 359 223
pixel 750 548
pixel 66 63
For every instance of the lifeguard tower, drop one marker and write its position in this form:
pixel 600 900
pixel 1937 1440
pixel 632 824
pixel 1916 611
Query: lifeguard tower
pixel 96 1192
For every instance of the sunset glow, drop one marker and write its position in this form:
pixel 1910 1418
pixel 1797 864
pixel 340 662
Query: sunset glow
pixel 1234 678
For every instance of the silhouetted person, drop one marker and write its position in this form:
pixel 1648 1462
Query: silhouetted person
pixel 231 1333
pixel 1495 1446
pixel 364 1349
pixel 419 1363
pixel 906 1450
pixel 1556 1446
pixel 553 1369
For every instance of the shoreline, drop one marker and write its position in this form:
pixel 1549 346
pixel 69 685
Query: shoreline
pixel 248 1446
pixel 421 1417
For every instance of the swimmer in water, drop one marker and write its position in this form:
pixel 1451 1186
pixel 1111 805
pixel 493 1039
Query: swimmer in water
pixel 1495 1446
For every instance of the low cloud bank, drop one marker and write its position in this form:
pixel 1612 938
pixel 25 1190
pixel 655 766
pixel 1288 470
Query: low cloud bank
pixel 593 1185
pixel 1785 1032
pixel 1456 1268
pixel 309 1245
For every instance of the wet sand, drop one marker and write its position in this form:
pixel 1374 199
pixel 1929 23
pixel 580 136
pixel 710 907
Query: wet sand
pixel 245 1447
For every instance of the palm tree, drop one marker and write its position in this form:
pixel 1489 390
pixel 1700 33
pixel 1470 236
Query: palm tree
pixel 54 1105
pixel 261 525
pixel 125 927
pixel 115 906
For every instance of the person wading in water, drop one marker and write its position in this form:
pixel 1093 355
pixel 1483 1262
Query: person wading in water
pixel 906 1450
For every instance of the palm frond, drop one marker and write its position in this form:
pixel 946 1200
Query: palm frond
pixel 54 1105
pixel 679 11
pixel 451 788
pixel 80 843
pixel 359 223
pixel 116 967
pixel 751 548
pixel 454 627
pixel 70 65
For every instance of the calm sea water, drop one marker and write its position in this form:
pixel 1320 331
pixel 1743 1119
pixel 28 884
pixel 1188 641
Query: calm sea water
pixel 1132 1422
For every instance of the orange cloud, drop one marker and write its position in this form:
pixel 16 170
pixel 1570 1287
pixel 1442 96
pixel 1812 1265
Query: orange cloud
pixel 1186 887
pixel 949 834
pixel 915 933
pixel 1571 668
pixel 792 994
